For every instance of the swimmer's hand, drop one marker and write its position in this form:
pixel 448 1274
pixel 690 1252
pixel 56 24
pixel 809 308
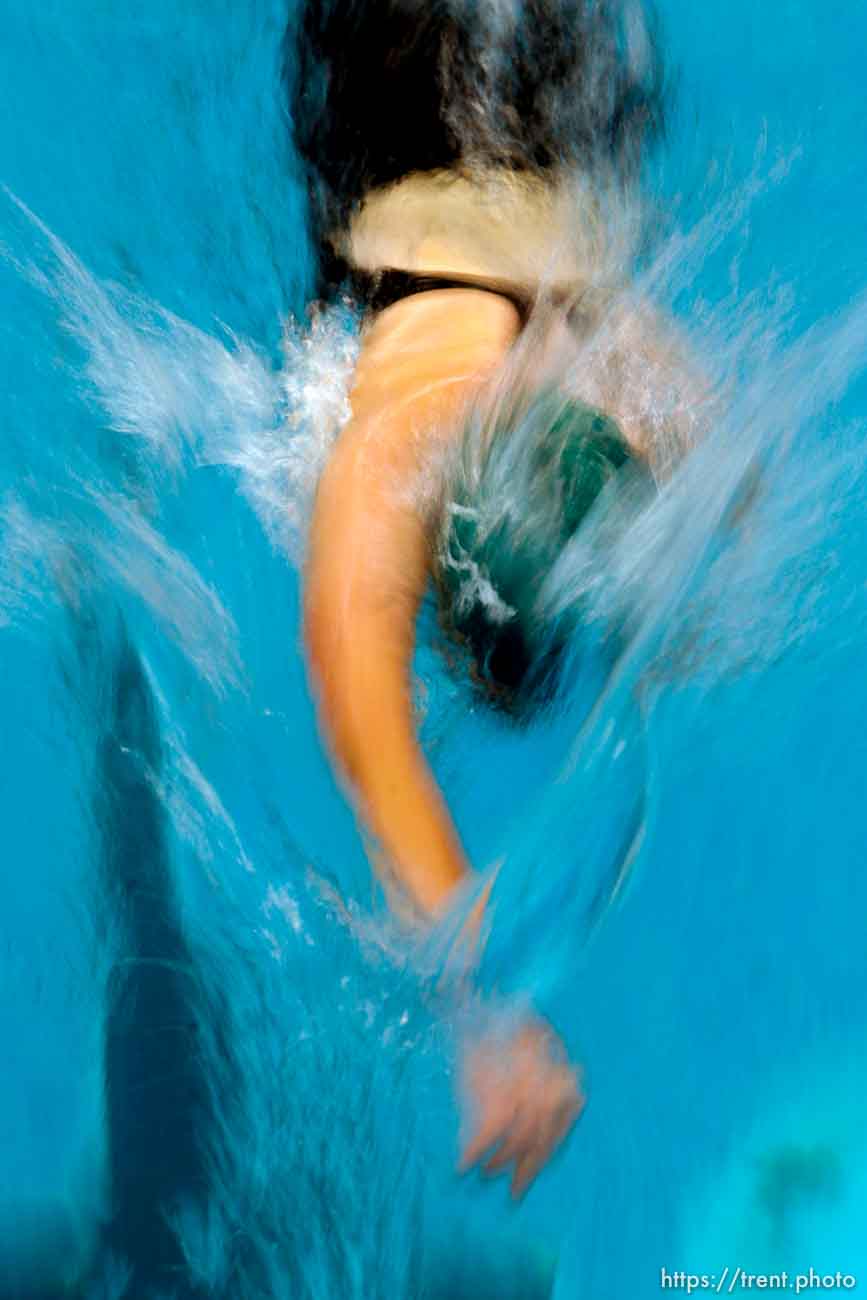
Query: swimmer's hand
pixel 525 1097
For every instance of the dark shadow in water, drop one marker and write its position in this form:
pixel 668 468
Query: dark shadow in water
pixel 157 1102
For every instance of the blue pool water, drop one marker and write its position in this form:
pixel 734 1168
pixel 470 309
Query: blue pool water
pixel 222 1073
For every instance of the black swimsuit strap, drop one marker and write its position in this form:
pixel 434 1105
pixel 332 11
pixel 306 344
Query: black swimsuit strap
pixel 381 289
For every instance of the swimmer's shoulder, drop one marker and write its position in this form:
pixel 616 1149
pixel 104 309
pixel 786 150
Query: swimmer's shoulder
pixel 476 316
pixel 431 340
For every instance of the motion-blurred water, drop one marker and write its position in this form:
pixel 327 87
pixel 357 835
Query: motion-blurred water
pixel 222 1073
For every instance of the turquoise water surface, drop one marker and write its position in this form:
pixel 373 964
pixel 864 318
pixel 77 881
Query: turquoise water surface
pixel 223 1072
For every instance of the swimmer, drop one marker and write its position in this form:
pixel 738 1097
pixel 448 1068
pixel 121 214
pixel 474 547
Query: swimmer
pixel 456 159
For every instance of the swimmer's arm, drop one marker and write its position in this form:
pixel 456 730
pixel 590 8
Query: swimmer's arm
pixel 368 570
pixel 367 575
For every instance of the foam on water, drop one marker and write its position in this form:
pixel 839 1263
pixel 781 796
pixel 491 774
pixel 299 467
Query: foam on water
pixel 154 484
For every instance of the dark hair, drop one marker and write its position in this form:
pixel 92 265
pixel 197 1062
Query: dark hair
pixel 381 88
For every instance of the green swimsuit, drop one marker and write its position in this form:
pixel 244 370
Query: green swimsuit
pixel 517 494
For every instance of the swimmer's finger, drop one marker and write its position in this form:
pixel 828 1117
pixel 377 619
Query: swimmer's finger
pixel 534 1131
pixel 547 1140
pixel 473 1151
pixel 534 1158
pixel 520 1137
pixel 526 1170
pixel 503 1155
pixel 571 1106
pixel 498 1119
pixel 562 1119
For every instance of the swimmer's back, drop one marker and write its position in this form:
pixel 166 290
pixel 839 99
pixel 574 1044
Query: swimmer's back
pixel 383 90
pixel 429 342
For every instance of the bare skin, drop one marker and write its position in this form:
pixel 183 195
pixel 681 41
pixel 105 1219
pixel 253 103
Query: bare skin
pixel 422 361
